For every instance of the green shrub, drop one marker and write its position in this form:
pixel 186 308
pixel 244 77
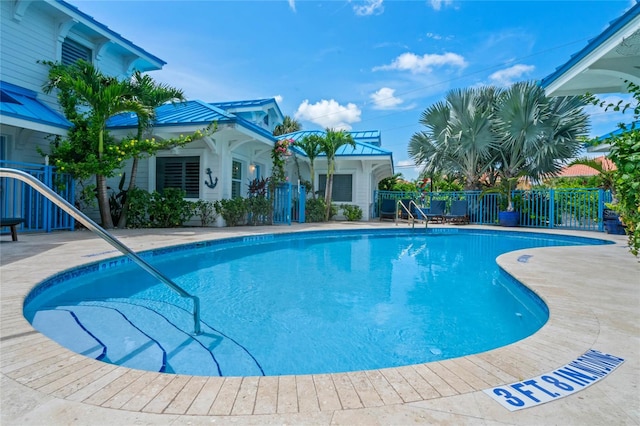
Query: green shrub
pixel 206 210
pixel 351 212
pixel 139 201
pixel 258 209
pixel 169 209
pixel 232 210
pixel 315 209
pixel 155 210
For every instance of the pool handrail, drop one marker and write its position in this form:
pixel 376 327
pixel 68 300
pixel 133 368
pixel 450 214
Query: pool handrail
pixel 92 226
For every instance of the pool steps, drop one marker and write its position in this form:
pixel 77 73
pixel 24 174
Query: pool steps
pixel 128 331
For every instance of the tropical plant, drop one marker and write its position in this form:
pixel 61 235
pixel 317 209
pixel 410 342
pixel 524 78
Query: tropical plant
pixel 152 95
pixel 498 136
pixel 458 138
pixel 89 99
pixel 333 140
pixel 535 134
pixel 312 147
pixel 289 125
pixel 625 153
pixel 279 155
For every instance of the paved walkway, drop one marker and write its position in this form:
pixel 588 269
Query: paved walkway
pixel 593 293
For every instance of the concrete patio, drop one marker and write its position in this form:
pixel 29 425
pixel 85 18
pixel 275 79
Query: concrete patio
pixel 593 294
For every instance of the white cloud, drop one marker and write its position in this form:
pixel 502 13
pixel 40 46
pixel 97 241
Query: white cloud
pixel 425 63
pixel 292 5
pixel 437 4
pixel 370 7
pixel 384 99
pixel 278 98
pixel 508 76
pixel 329 114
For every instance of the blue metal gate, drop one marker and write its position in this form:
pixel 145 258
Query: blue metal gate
pixel 289 203
pixel 39 214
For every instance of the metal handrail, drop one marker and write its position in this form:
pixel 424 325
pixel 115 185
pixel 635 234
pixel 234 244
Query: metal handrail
pixel 410 218
pixel 91 225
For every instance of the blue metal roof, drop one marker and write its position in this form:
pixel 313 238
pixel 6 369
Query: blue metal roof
pixel 243 104
pixel 109 31
pixel 248 104
pixel 185 113
pixel 612 29
pixel 18 102
pixel 361 138
pixel 634 125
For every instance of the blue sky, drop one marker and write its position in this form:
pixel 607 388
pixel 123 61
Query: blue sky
pixel 358 65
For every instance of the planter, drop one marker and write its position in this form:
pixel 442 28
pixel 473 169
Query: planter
pixel 614 227
pixel 508 218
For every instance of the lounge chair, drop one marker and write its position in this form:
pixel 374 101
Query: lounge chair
pixel 388 209
pixel 436 211
pixel 11 222
pixel 459 212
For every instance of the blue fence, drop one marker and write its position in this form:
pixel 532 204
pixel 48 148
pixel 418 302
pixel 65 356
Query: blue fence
pixel 39 214
pixel 572 208
pixel 289 204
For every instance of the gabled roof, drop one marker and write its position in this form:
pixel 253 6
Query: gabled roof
pixel 604 64
pixel 248 105
pixel 91 25
pixel 363 146
pixel 187 113
pixel 23 104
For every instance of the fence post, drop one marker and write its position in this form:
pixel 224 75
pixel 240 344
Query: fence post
pixel 302 201
pixel 47 208
pixel 601 210
pixel 552 208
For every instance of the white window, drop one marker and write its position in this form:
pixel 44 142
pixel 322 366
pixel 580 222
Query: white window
pixel 342 187
pixel 236 179
pixel 72 51
pixel 179 172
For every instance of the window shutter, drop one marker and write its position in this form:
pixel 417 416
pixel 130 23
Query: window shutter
pixel 179 172
pixel 72 51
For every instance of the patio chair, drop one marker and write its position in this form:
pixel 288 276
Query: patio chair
pixel 436 211
pixel 459 213
pixel 388 209
pixel 12 223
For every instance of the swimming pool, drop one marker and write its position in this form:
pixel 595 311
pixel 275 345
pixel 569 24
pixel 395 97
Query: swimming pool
pixel 311 302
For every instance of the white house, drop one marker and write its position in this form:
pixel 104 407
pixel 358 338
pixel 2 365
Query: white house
pixel 605 65
pixel 50 30
pixel 215 167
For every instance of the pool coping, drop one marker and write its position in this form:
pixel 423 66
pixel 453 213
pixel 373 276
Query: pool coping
pixel 44 381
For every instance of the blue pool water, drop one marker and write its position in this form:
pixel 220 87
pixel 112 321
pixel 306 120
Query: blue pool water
pixel 301 303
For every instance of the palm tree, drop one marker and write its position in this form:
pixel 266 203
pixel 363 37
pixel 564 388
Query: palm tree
pixel 85 86
pixel 312 147
pixel 289 125
pixel 152 95
pixel 537 134
pixel 459 138
pixel 333 140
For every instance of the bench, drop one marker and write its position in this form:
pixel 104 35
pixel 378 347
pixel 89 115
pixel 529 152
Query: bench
pixel 11 222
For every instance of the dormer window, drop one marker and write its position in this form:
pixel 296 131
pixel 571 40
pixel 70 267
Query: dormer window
pixel 72 51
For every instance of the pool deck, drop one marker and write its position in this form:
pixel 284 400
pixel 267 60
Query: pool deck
pixel 593 294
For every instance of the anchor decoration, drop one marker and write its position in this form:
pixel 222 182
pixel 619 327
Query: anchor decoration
pixel 212 183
